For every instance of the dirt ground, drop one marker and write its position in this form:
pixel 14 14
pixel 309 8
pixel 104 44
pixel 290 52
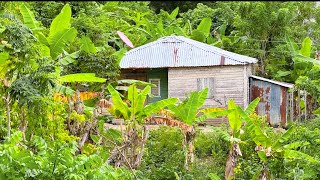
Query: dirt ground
pixel 201 128
pixel 118 127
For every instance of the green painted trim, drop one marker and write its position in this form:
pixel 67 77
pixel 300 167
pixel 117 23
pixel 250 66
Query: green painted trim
pixel 161 74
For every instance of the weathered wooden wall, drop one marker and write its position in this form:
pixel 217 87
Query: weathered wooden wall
pixel 230 82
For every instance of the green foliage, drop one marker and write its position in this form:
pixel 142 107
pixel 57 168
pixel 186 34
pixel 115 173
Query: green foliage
pixel 81 77
pixel 233 117
pixel 65 90
pixel 70 39
pixel 58 41
pixel 306 47
pixel 301 138
pixel 272 148
pixel 100 63
pixel 87 45
pixel 68 59
pixel 28 17
pixel 61 21
pixel 136 111
pixel 119 105
pixel 187 110
pixel 251 107
pixel 40 159
pixel 163 159
pixel 202 33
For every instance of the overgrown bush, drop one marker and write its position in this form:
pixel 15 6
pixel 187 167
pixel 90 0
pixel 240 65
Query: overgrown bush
pixel 164 157
pixel 163 154
pixel 211 151
pixel 307 134
pixel 53 160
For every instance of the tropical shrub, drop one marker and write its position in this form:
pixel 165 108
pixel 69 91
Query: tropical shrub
pixel 165 159
pixel 41 160
pixel 164 155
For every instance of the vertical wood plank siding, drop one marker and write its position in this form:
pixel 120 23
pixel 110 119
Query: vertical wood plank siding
pixel 230 82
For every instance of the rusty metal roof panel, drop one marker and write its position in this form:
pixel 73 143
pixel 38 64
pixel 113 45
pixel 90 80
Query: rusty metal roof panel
pixel 284 84
pixel 178 51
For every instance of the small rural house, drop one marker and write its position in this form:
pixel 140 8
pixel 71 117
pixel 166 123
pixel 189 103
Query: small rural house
pixel 179 65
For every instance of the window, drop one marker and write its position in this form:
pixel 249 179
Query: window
pixel 155 90
pixel 203 83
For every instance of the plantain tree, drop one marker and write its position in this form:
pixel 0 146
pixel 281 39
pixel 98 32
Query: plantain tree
pixel 188 112
pixel 52 46
pixel 55 43
pixel 268 149
pixel 236 118
pixel 133 110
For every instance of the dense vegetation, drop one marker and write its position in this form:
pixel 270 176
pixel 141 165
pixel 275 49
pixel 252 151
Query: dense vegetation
pixel 52 52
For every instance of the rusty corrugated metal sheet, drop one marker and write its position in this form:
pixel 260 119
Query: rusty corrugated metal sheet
pixel 178 51
pixel 273 100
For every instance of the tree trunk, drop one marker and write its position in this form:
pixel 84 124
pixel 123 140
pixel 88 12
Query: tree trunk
pixel 233 156
pixel 184 145
pixel 88 127
pixel 130 152
pixel 188 146
pixel 264 174
pixel 7 102
pixel 263 58
pixel 77 128
pixel 140 153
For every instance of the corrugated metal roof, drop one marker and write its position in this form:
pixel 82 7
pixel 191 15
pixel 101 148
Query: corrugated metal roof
pixel 284 84
pixel 178 51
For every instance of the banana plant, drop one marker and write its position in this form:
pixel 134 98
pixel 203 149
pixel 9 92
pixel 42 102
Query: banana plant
pixel 60 32
pixel 133 108
pixel 303 63
pixel 188 111
pixel 203 31
pixel 268 149
pixel 55 44
pixel 134 112
pixel 167 25
pixel 304 71
pixel 236 118
pixel 222 41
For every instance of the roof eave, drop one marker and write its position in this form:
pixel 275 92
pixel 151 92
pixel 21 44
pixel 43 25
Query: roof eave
pixel 284 84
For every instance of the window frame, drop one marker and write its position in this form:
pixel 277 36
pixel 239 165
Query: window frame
pixel 211 90
pixel 158 86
